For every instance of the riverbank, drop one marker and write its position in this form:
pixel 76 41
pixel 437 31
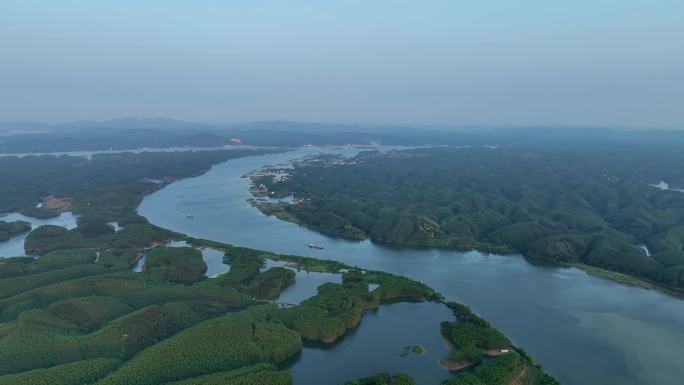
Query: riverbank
pixel 629 280
pixel 453 366
pixel 276 209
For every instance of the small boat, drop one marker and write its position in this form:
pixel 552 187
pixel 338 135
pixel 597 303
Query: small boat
pixel 315 246
pixel 189 216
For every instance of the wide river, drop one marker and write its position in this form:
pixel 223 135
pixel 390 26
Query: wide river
pixel 584 330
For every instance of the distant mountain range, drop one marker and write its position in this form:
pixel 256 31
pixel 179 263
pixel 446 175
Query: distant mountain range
pixel 121 123
pixel 166 123
pixel 132 133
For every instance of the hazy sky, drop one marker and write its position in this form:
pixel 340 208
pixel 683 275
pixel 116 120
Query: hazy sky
pixel 569 62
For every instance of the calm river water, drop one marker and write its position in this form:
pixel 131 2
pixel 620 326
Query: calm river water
pixel 583 330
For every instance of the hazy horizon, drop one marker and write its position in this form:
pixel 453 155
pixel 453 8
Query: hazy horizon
pixel 147 121
pixel 604 63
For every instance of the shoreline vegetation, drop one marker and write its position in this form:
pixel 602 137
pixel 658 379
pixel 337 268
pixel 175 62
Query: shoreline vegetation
pixel 103 185
pixel 593 220
pixel 629 280
pixel 12 229
pixel 277 210
pixel 495 360
pixel 77 314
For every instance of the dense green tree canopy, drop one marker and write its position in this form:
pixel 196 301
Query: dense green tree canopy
pixel 591 204
pixel 10 229
pixel 103 185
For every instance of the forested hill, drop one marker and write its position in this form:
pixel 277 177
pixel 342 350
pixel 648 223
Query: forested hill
pixel 592 204
pixel 112 183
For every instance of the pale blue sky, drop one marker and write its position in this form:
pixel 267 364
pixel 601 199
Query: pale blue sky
pixel 582 62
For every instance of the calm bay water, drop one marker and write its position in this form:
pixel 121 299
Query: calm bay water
pixel 583 330
pixel 306 283
pixel 379 344
pixel 14 247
